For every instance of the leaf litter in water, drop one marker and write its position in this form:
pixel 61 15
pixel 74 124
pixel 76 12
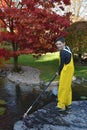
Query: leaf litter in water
pixel 2 106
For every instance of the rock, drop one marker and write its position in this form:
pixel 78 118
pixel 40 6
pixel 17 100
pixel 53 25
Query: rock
pixel 3 73
pixel 79 80
pixel 27 80
pixel 48 118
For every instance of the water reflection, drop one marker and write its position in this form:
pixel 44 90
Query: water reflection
pixel 17 103
pixel 80 92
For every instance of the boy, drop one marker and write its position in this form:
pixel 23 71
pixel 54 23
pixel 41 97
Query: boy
pixel 65 71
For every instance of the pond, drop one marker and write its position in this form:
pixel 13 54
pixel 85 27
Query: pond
pixel 18 101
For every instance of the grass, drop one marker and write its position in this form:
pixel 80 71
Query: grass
pixel 48 65
pixel 81 71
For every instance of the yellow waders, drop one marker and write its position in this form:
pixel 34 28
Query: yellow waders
pixel 65 90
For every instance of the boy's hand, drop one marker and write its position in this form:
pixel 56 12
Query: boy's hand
pixel 57 74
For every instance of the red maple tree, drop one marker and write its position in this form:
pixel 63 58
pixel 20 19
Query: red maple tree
pixel 30 26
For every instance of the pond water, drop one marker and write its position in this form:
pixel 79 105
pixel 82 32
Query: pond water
pixel 18 102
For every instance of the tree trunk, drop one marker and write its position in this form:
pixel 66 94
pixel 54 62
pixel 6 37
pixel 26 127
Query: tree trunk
pixel 15 65
pixel 79 55
pixel 15 58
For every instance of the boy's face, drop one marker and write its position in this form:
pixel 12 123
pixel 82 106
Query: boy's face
pixel 60 45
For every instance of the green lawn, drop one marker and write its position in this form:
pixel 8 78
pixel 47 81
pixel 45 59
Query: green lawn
pixel 81 71
pixel 48 65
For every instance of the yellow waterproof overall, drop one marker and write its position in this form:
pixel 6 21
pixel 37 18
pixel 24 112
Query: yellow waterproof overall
pixel 65 90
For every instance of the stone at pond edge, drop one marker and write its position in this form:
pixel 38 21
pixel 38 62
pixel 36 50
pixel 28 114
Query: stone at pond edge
pixel 48 118
pixel 83 97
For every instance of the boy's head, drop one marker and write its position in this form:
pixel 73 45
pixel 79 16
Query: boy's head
pixel 60 43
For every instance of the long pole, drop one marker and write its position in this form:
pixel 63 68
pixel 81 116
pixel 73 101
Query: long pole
pixel 26 113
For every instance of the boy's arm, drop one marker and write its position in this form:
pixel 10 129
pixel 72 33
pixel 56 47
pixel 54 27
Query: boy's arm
pixel 62 61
